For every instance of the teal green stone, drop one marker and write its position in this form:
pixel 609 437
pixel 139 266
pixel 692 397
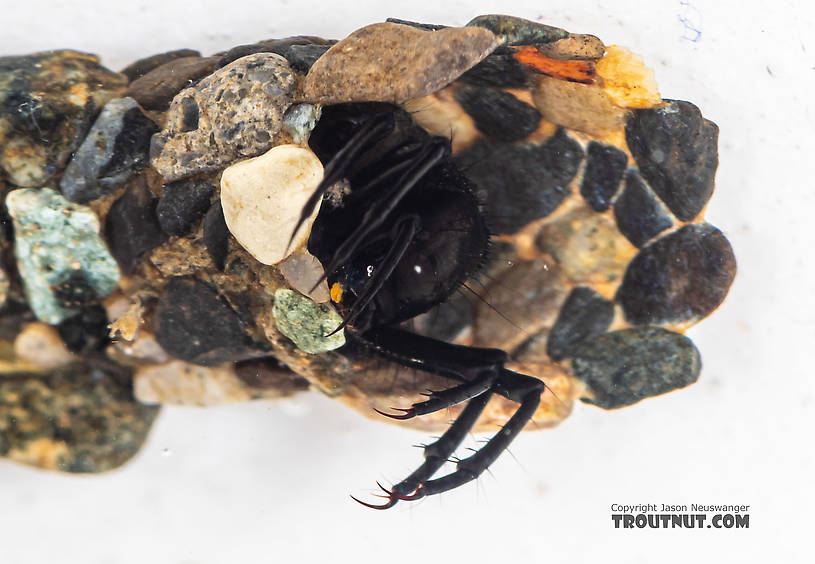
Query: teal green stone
pixel 56 241
pixel 518 31
pixel 307 323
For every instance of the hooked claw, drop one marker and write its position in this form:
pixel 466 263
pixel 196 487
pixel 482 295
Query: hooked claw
pixel 391 497
pixel 407 413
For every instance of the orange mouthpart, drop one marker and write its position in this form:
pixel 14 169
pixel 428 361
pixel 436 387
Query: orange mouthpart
pixel 336 292
pixel 575 71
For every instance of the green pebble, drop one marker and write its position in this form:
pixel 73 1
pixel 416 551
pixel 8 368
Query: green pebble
pixel 54 241
pixel 307 323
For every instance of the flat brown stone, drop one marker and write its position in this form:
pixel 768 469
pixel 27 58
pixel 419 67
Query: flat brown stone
pixel 156 89
pixel 388 62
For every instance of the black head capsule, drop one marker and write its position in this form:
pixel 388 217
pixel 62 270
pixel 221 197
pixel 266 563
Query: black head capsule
pixel 409 230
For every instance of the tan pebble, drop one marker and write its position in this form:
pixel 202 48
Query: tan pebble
pixel 584 107
pixel 302 271
pixel 40 344
pixel 528 296
pixel 588 247
pixel 182 383
pixel 627 80
pixel 125 316
pixel 144 348
pixel 262 199
pixel 575 47
pixel 390 62
pixel 440 114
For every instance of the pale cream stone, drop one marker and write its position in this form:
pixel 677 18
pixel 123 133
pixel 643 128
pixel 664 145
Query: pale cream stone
pixel 41 345
pixel 263 197
pixel 182 383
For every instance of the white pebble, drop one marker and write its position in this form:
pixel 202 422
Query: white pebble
pixel 263 197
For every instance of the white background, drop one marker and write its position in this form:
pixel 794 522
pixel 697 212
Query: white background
pixel 269 482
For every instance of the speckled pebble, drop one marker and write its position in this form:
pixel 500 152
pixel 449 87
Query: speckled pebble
pixel 79 419
pixel 624 367
pixel 676 151
pixel 409 63
pixel 55 240
pixel 235 112
pixel 115 149
pixel 587 246
pixel 307 323
pixel 518 31
pixel 682 276
pixel 47 103
pixel 262 199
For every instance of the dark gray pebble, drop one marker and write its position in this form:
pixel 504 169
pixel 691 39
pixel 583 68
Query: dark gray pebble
pixel 86 332
pixel 623 367
pixel 605 166
pixel 520 183
pixel 131 227
pixel 676 151
pixel 500 69
pixel 683 276
pixel 282 47
pixel 75 291
pixel 145 65
pixel 498 114
pixel 444 321
pixel 417 25
pixel 270 374
pixel 585 314
pixel 301 57
pixel 640 216
pixel 182 204
pixel 193 323
pixel 216 235
pixel 116 148
pixel 518 31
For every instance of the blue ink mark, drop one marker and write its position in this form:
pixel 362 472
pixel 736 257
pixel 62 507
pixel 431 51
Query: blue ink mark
pixel 691 19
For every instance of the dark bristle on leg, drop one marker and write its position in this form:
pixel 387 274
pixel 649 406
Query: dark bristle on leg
pixel 407 233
